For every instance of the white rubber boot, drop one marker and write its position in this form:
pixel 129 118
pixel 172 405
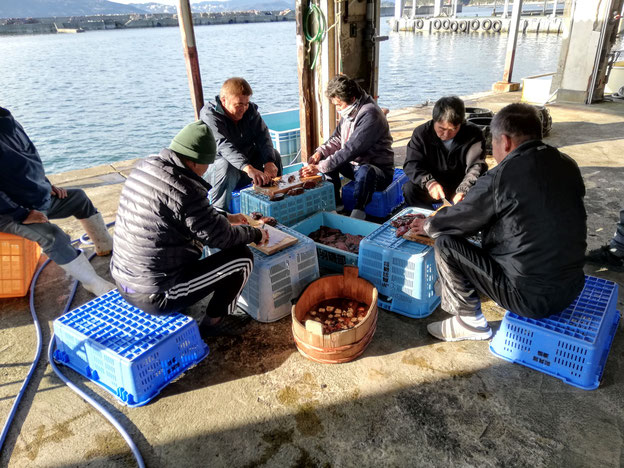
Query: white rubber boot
pixel 81 269
pixel 98 233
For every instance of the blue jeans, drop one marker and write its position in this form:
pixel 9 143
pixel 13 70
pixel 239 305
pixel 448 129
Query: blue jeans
pixel 53 241
pixel 226 179
pixel 368 180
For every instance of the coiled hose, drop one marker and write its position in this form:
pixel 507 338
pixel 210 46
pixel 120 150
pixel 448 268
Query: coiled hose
pixel 315 13
pixel 103 411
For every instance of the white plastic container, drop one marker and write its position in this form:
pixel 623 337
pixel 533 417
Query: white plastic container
pixel 279 278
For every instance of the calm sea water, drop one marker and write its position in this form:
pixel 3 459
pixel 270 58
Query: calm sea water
pixel 104 96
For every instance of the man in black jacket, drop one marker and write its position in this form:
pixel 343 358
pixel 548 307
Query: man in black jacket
pixel 530 211
pixel 163 221
pixel 245 153
pixel 28 201
pixel 445 156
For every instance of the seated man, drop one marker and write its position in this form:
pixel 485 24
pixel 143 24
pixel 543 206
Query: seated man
pixel 28 201
pixel 529 209
pixel 163 222
pixel 245 152
pixel 444 157
pixel 360 147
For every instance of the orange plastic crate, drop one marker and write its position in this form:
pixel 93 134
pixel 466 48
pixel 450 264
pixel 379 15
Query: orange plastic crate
pixel 18 261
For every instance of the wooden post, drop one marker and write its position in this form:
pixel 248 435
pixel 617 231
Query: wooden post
pixel 185 21
pixel 307 118
pixel 505 85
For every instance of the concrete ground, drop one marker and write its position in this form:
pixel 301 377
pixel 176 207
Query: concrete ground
pixel 409 400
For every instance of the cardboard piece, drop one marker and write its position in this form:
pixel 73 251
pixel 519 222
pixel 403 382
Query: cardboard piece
pixel 421 239
pixel 278 240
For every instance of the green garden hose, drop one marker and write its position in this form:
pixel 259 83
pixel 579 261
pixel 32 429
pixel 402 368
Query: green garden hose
pixel 315 13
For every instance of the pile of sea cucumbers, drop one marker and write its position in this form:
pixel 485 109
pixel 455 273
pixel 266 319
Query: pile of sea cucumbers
pixel 337 239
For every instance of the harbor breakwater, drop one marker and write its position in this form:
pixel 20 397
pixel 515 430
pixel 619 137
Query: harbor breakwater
pixel 105 22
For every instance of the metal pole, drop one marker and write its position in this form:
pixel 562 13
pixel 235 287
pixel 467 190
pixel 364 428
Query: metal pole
pixel 554 12
pixel 512 40
pixel 413 8
pixel 398 9
pixel 494 9
pixel 544 8
pixel 437 7
pixel 506 9
pixel 185 21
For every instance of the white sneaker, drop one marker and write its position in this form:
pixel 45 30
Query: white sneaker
pixel 454 329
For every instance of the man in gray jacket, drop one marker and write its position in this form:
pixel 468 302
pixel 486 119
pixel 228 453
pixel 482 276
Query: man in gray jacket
pixel 360 147
pixel 245 153
pixel 530 211
pixel 163 222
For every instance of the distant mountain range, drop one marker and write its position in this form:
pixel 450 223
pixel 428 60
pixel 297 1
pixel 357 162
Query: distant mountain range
pixel 48 8
pixel 220 5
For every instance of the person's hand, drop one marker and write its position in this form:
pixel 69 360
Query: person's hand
pixel 270 169
pixel 315 158
pixel 35 217
pixel 417 226
pixel 59 192
pixel 309 170
pixel 459 196
pixel 237 219
pixel 265 237
pixel 258 177
pixel 436 191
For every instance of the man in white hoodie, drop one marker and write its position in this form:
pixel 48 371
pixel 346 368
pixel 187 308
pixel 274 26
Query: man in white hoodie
pixel 28 201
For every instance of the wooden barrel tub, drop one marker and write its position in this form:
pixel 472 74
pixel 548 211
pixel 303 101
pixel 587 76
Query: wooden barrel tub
pixel 340 346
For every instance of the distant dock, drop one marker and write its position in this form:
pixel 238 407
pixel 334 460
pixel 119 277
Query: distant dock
pixel 464 24
pixel 76 24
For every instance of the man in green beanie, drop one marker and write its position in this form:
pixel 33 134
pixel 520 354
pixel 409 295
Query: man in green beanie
pixel 163 222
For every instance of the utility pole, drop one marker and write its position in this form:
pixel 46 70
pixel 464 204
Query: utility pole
pixel 185 20
pixel 505 85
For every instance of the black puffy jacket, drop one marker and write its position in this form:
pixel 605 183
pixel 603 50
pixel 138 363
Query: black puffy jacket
pixel 164 219
pixel 530 211
pixel 428 159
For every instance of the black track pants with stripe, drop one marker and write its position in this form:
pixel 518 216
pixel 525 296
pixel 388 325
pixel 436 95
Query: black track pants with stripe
pixel 225 273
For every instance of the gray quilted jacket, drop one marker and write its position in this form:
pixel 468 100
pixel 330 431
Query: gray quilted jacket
pixel 164 219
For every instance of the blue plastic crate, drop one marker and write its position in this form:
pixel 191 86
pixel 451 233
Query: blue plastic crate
pixel 285 134
pixel 408 306
pixel 331 257
pixel 277 279
pixel 572 345
pixel 383 203
pixel 235 201
pixel 291 209
pixel 131 354
pixel 397 266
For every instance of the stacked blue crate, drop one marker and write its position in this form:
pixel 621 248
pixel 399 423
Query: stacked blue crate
pixel 331 257
pixel 285 133
pixel 291 209
pixel 131 354
pixel 572 345
pixel 277 279
pixel 403 271
pixel 383 203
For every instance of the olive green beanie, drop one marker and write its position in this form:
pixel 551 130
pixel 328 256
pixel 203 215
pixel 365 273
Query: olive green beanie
pixel 195 142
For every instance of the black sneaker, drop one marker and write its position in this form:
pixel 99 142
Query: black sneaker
pixel 605 256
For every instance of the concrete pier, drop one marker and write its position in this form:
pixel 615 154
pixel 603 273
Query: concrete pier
pixel 409 400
